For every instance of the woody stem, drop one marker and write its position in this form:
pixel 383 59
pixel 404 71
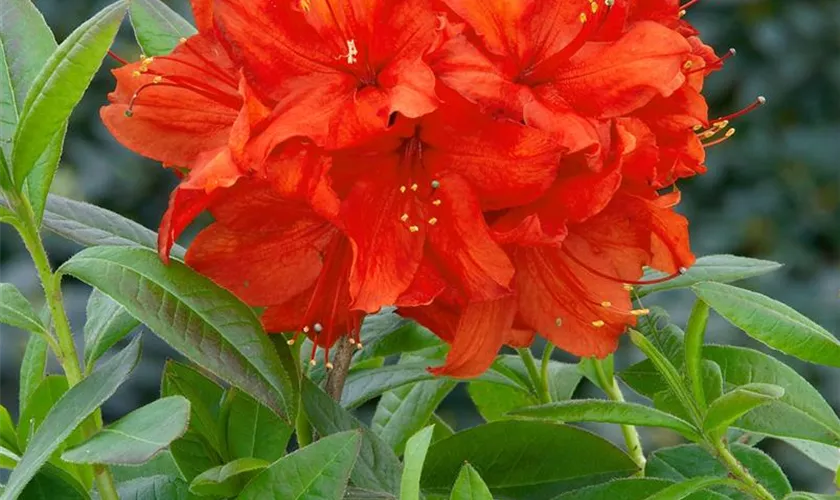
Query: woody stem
pixel 341 366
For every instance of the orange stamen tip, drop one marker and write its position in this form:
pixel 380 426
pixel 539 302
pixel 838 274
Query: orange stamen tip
pixel 403 189
pixel 414 229
pixel 414 187
pixel 558 322
pixel 437 203
pixel 404 217
pixel 433 221
pixel 606 303
pixel 640 312
pixel 598 324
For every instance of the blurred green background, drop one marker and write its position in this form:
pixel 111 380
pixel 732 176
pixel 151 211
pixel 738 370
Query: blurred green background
pixel 772 192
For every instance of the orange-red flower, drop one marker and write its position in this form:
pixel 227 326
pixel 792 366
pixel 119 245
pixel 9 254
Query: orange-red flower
pixel 493 169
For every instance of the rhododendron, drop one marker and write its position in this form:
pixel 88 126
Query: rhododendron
pixel 493 169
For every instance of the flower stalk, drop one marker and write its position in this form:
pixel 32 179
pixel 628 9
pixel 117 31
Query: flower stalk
pixel 540 382
pixel 631 435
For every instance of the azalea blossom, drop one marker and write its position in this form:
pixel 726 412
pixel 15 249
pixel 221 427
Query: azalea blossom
pixel 496 170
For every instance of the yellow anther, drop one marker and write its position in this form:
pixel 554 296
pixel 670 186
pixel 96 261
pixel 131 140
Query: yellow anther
pixel 721 124
pixel 404 217
pixel 305 329
pixel 688 65
pixel 598 324
pixel 413 229
pixel 433 221
pixel 640 312
pixel 403 189
pixel 359 346
pixel 142 57
pixel 582 17
pixel 157 79
pixel 352 52
pixel 437 203
pixel 291 341
pixel 351 340
pixel 312 362
pixel 305 5
pixel 136 74
pixel 682 13
pixel 594 7
pixel 558 322
pixel 414 187
pixel 729 133
pixel 329 366
pixel 698 128
pixel 627 287
pixel 606 303
pixel 182 40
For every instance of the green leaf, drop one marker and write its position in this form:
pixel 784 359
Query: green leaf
pixel 386 334
pixel 8 434
pixel 712 379
pixel 32 368
pixel 45 395
pixel 732 405
pixel 403 411
pixel 681 463
pixel 157 27
pixel 803 495
pixel 8 458
pixel 494 401
pixel 415 455
pixel 89 225
pixel 694 335
pixel 442 429
pixel 378 468
pixel 137 437
pixel 229 479
pixel 161 465
pixel 616 412
pixel 201 320
pixel 772 323
pixel 40 179
pixel 682 490
pixel 252 430
pixel 587 367
pixel 16 311
pixel 194 455
pixel 630 489
pixel 59 87
pixel 107 323
pixel 563 379
pixel 52 483
pixel 525 459
pixel 26 43
pixel 154 488
pixel 204 396
pixel 801 413
pixel 715 268
pixel 823 454
pixel 318 471
pixel 470 486
pixel 75 406
pixel 364 385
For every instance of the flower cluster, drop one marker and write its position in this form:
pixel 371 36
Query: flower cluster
pixel 492 168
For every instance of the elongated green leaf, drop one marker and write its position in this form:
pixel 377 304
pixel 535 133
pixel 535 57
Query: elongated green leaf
pixel 801 413
pixel 16 311
pixel 354 493
pixel 75 406
pixel 385 334
pixel 685 462
pixel 26 44
pixel 193 455
pixel 823 454
pixel 364 385
pixel 204 395
pixel 8 433
pixel 107 323
pixel 525 459
pixel 253 430
pixel 377 468
pixel 60 85
pixel 694 335
pixel 631 489
pixel 32 368
pixel 154 488
pixel 597 410
pixel 732 405
pixel 157 27
pixel 403 411
pixel 772 323
pixel 89 225
pixel 682 490
pixel 161 465
pixel 52 483
pixel 470 486
pixel 201 320
pixel 229 479
pixel 318 472
pixel 716 268
pixel 137 437
pixel 494 401
pixel 45 395
pixel 803 495
pixel 415 456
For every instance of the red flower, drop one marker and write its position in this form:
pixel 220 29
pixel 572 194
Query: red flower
pixel 190 110
pixel 493 169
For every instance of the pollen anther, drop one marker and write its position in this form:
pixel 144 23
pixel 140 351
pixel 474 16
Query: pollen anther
pixel 606 303
pixel 437 203
pixel 433 221
pixel 414 229
pixel 404 217
pixel 318 327
pixel 598 323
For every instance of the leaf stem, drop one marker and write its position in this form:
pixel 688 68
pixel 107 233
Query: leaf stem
pixel 540 385
pixel 739 472
pixel 546 363
pixel 631 435
pixel 65 349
